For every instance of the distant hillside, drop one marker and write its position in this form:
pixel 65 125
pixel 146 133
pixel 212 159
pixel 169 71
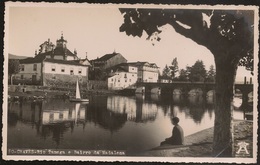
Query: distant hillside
pixel 11 56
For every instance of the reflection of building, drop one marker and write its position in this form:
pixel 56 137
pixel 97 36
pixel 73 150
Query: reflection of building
pixel 98 113
pixel 47 123
pixel 52 65
pixel 28 112
pixel 122 76
pixel 63 115
pixel 137 111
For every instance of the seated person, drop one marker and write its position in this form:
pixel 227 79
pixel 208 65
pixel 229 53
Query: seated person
pixel 177 134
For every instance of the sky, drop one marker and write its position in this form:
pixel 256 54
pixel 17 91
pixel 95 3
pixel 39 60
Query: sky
pixel 95 30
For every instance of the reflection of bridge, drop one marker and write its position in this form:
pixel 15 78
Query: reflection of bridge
pixel 185 87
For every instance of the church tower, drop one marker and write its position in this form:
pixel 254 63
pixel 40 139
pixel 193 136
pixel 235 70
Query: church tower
pixel 61 43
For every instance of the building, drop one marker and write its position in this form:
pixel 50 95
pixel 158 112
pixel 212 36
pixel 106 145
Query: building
pixel 122 76
pixel 59 52
pixel 147 72
pixel 165 79
pixel 53 66
pixel 108 61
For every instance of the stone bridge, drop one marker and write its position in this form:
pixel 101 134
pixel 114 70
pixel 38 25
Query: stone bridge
pixel 186 87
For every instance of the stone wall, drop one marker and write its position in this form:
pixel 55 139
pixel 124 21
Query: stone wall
pixel 69 81
pixel 25 81
pixel 59 80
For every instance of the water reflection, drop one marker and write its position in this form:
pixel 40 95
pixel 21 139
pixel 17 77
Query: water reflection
pixel 107 122
pixel 135 109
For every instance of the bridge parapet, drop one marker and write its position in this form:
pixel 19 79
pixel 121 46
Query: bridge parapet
pixel 185 87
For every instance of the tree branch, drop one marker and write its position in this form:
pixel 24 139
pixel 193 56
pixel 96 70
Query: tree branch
pixel 196 36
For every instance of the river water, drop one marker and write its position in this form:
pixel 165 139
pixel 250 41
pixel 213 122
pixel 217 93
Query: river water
pixel 129 123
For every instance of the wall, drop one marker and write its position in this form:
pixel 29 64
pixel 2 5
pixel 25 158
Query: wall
pixel 150 76
pixel 121 80
pixel 62 80
pixel 118 59
pixel 27 74
pixel 47 68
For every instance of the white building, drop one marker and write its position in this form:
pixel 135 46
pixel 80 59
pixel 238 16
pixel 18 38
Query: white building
pixel 122 76
pixel 147 72
pixel 50 71
pixel 53 66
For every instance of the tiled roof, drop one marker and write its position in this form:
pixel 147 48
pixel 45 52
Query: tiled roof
pixel 63 62
pixel 39 59
pixel 118 67
pixel 121 67
pixel 30 60
pixel 80 61
pixel 58 51
pixel 106 57
pixel 143 63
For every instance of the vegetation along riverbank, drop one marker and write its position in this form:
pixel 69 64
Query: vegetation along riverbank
pixel 38 92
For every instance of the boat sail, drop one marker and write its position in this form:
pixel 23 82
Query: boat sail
pixel 78 97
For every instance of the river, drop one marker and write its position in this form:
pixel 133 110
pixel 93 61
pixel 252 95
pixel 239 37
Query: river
pixel 129 123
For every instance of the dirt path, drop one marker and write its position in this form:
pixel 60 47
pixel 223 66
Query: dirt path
pixel 200 143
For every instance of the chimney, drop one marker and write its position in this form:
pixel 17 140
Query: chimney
pixel 86 55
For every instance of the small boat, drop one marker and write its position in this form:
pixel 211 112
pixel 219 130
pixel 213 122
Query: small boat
pixel 78 97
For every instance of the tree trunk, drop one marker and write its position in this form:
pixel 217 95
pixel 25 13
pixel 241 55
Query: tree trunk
pixel 223 127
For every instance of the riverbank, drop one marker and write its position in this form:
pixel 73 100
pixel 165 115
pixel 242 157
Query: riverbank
pixel 200 143
pixel 43 94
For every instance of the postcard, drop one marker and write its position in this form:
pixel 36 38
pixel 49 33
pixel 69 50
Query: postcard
pixel 135 83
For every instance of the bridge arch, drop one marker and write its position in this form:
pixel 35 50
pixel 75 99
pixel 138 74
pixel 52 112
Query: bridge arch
pixel 244 89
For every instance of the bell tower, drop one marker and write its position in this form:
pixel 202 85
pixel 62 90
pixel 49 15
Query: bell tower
pixel 61 43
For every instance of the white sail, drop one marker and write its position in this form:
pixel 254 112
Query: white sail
pixel 77 105
pixel 77 90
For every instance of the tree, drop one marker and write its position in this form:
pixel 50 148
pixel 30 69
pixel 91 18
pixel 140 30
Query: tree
pixel 183 75
pixel 198 72
pixel 13 68
pixel 174 68
pixel 228 34
pixel 211 74
pixel 166 72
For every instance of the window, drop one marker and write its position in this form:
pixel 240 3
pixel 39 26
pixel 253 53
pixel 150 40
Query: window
pixel 111 79
pixel 129 80
pixel 62 69
pixel 71 72
pixel 34 67
pixel 22 67
pixel 126 80
pixel 61 116
pixel 53 68
pixel 21 76
pixel 118 80
pixel 80 71
pixel 125 75
pixel 51 116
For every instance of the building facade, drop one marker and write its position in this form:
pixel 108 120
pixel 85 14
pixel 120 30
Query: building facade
pixel 122 76
pixel 147 72
pixel 53 66
pixel 108 61
pixel 49 72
